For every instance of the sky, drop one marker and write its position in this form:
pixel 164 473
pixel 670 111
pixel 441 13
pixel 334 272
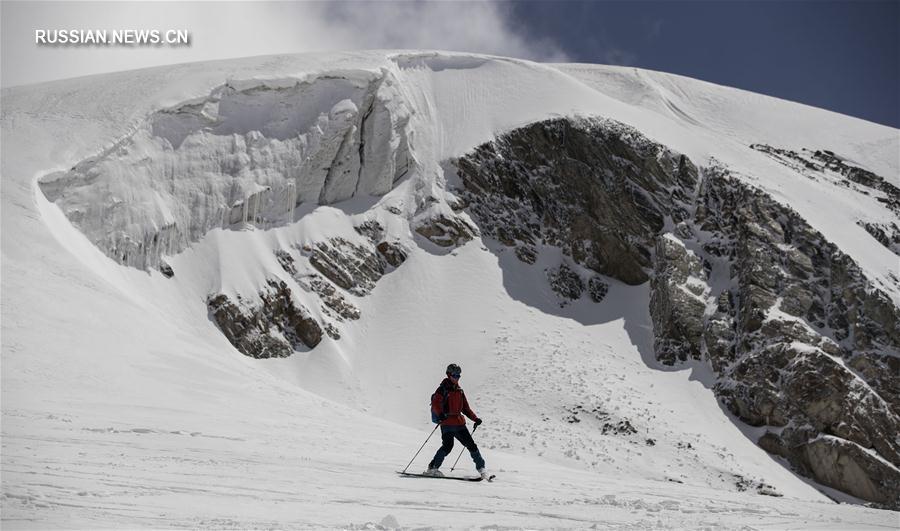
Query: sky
pixel 842 56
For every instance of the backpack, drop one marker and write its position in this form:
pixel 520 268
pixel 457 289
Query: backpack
pixel 444 393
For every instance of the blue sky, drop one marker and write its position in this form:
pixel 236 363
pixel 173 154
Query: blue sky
pixel 842 56
pixel 838 55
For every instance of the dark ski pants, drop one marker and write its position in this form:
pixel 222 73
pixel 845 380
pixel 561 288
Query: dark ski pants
pixel 448 433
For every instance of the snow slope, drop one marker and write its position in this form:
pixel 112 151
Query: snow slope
pixel 124 406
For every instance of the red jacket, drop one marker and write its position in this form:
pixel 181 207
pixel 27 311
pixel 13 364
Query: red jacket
pixel 455 405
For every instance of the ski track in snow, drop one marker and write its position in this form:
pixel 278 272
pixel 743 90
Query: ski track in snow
pixel 63 473
pixel 124 406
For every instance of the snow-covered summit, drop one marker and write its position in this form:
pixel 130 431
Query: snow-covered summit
pixel 455 102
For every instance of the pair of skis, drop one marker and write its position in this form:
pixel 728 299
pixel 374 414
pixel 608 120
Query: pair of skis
pixel 458 478
pixel 404 473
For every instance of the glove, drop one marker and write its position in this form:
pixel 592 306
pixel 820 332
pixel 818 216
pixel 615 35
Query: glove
pixel 442 417
pixel 477 422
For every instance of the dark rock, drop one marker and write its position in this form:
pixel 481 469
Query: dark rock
pixel 594 188
pixel 763 297
pixel 887 234
pixel 286 261
pixel 332 331
pixel 597 288
pixel 821 161
pixel 445 231
pixel 623 427
pixel 336 305
pixel 273 329
pixel 292 319
pixel 676 303
pixel 166 269
pixel 756 304
pixel 352 267
pixel 371 229
pixel 796 300
pixel 332 298
pixel 880 371
pixel 719 333
pixel 526 254
pixel 566 283
pixel 848 467
pixel 392 252
pixel 773 444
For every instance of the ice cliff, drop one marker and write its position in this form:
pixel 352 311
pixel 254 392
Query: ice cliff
pixel 249 152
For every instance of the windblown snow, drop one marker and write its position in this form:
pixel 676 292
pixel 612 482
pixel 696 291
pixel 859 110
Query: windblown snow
pixel 125 406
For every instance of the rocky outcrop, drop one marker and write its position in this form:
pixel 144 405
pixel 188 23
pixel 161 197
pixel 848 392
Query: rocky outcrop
pixel 273 328
pixel 802 342
pixel 836 461
pixel 860 176
pixel 393 253
pixel 566 283
pixel 677 302
pixel 352 267
pixel 785 335
pixel 597 288
pixel 825 165
pixel 445 231
pixel 334 271
pixel 593 188
pixel 887 234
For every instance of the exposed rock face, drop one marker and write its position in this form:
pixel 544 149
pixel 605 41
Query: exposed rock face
pixel 270 330
pixel 677 302
pixel 826 165
pixel 835 461
pixel 787 335
pixel 446 231
pixel 341 269
pixel 594 188
pixel 887 234
pixel 597 288
pixel 331 297
pixel 327 292
pixel 393 253
pixel 800 339
pixel 566 283
pixel 335 270
pixel 352 267
pixel 858 175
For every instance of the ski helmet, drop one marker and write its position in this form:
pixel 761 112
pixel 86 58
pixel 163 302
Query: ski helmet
pixel 453 369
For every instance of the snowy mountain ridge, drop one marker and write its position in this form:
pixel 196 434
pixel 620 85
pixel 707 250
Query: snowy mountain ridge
pixel 311 207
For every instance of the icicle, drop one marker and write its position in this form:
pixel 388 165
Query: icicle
pixel 293 198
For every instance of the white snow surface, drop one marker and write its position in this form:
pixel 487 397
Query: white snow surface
pixel 124 406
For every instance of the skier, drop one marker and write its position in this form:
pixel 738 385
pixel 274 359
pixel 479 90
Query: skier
pixel 448 405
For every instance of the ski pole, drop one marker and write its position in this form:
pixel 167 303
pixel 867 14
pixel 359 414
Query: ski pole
pixel 423 446
pixel 461 452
